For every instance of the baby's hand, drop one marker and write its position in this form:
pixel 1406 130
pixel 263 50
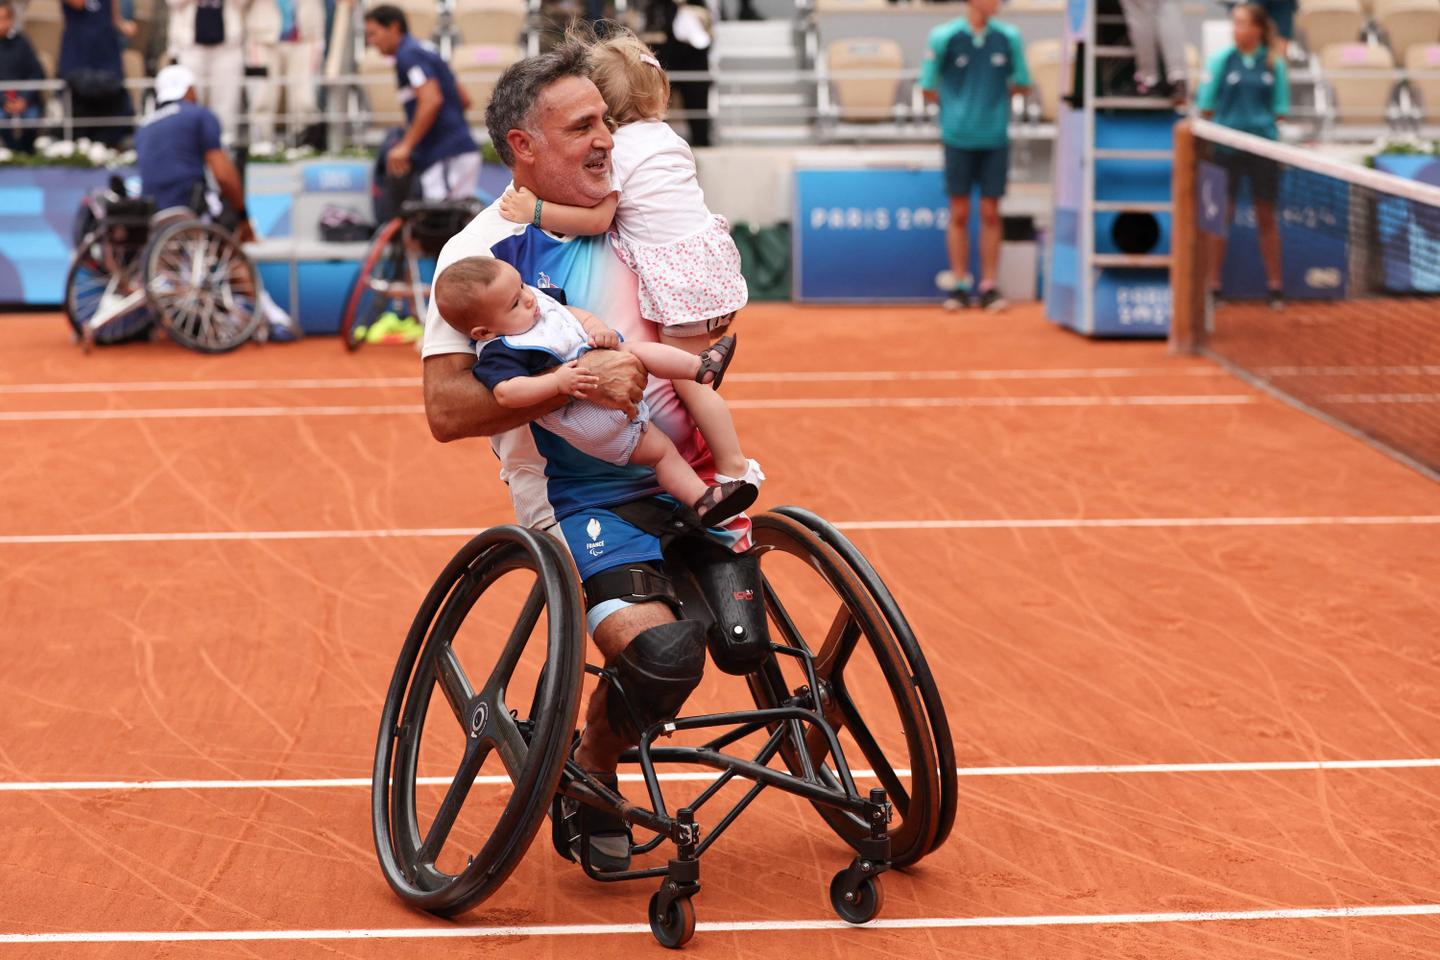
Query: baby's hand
pixel 604 338
pixel 574 381
pixel 517 205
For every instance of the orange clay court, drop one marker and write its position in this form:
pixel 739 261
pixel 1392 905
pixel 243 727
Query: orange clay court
pixel 1186 637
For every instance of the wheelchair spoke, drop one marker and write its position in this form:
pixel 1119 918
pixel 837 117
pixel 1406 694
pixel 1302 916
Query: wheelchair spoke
pixel 515 643
pixel 781 616
pixel 470 764
pixel 454 684
pixel 508 741
pixel 855 726
pixel 839 644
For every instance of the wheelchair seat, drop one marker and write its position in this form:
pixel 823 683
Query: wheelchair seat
pixel 129 211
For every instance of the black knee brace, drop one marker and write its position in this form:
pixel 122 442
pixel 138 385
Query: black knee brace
pixel 657 671
pixel 730 582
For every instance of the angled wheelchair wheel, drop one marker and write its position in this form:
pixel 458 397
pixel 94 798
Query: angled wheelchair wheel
pixel 104 301
pixel 925 684
pixel 463 779
pixel 384 284
pixel 202 287
pixel 816 602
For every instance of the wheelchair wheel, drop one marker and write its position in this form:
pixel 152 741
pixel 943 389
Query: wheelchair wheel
pixel 91 282
pixel 202 287
pixel 510 598
pixel 919 669
pixel 816 602
pixel 384 284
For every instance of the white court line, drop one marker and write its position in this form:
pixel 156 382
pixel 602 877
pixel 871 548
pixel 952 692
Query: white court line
pixel 742 926
pixel 814 403
pixel 823 376
pixel 495 780
pixel 1055 523
pixel 1382 398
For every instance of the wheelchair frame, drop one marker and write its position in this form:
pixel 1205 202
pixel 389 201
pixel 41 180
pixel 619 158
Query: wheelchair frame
pixel 169 267
pixel 391 271
pixel 864 820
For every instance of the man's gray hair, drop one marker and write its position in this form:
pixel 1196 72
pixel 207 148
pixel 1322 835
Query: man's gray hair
pixel 520 86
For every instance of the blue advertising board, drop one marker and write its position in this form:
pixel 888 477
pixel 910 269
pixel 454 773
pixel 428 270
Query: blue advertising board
pixel 870 235
pixel 1314 235
pixel 1408 233
pixel 37 217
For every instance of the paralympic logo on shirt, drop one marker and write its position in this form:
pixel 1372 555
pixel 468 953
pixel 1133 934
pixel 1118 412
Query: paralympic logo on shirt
pixel 596 546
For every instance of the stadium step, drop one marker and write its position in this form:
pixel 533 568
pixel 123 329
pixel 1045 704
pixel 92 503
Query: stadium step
pixel 1127 206
pixel 1130 260
pixel 1157 104
pixel 1110 153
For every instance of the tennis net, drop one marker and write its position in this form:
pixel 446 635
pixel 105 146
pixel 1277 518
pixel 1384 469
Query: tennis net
pixel 1316 278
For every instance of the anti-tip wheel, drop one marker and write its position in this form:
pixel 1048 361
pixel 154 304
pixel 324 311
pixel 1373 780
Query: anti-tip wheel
pixel 859 905
pixel 674 926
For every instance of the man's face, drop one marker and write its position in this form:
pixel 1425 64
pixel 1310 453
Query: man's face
pixel 382 38
pixel 507 307
pixel 572 144
pixel 7 21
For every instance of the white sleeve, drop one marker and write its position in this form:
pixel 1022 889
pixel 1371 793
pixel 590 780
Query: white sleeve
pixel 440 337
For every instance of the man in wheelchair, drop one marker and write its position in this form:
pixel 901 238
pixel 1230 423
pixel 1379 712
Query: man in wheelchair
pixel 177 145
pixel 548 122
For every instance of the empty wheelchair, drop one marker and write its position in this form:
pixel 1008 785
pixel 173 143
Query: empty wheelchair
pixel 394 279
pixel 479 720
pixel 134 269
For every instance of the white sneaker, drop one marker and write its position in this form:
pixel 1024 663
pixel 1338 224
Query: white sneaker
pixel 753 474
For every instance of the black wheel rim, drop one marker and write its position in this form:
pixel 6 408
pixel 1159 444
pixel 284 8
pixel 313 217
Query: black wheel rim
pixel 385 283
pixel 856 625
pixel 925 684
pixel 89 281
pixel 529 748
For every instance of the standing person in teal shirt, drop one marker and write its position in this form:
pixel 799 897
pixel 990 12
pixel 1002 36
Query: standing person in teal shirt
pixel 972 67
pixel 1247 88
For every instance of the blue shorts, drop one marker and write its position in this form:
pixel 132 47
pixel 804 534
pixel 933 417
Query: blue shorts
pixel 599 540
pixel 966 170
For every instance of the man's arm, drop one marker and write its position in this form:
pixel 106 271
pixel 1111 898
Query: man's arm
pixel 459 406
pixel 428 100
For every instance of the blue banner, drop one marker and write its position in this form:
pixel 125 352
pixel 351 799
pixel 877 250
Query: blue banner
pixel 1211 200
pixel 1314 241
pixel 873 235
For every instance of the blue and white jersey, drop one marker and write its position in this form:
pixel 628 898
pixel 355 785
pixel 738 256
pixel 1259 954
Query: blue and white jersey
pixel 416 64
pixel 548 478
pixel 557 337
pixel 170 149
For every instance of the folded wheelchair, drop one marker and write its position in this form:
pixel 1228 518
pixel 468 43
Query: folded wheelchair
pixel 135 268
pixel 464 780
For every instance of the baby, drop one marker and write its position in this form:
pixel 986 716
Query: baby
pixel 527 345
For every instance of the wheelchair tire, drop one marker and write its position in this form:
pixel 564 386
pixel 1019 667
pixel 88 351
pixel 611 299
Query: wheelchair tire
pixel 202 287
pixel 384 262
pixel 86 283
pixel 917 807
pixel 532 748
pixel 919 669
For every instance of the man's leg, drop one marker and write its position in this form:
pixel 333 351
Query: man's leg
pixel 959 182
pixel 600 743
pixel 994 171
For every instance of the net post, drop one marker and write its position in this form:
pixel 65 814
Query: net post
pixel 1187 294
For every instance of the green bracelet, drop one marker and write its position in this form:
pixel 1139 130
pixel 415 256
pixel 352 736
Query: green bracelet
pixel 536 221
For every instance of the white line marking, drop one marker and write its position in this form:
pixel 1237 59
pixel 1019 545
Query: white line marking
pixel 495 780
pixel 1382 398
pixel 1054 523
pixel 812 403
pixel 824 376
pixel 752 926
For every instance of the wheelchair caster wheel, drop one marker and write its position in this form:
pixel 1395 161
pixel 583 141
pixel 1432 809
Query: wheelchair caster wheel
pixel 859 904
pixel 676 925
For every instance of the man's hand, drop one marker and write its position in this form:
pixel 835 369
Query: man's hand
pixel 14 104
pixel 518 205
pixel 126 28
pixel 621 376
pixel 574 382
pixel 397 161
pixel 244 231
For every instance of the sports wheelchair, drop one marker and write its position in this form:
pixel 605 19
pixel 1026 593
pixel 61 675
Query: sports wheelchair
pixel 134 267
pixel 395 275
pixel 844 673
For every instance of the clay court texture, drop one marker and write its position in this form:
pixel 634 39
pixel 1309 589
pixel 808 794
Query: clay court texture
pixel 1186 636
